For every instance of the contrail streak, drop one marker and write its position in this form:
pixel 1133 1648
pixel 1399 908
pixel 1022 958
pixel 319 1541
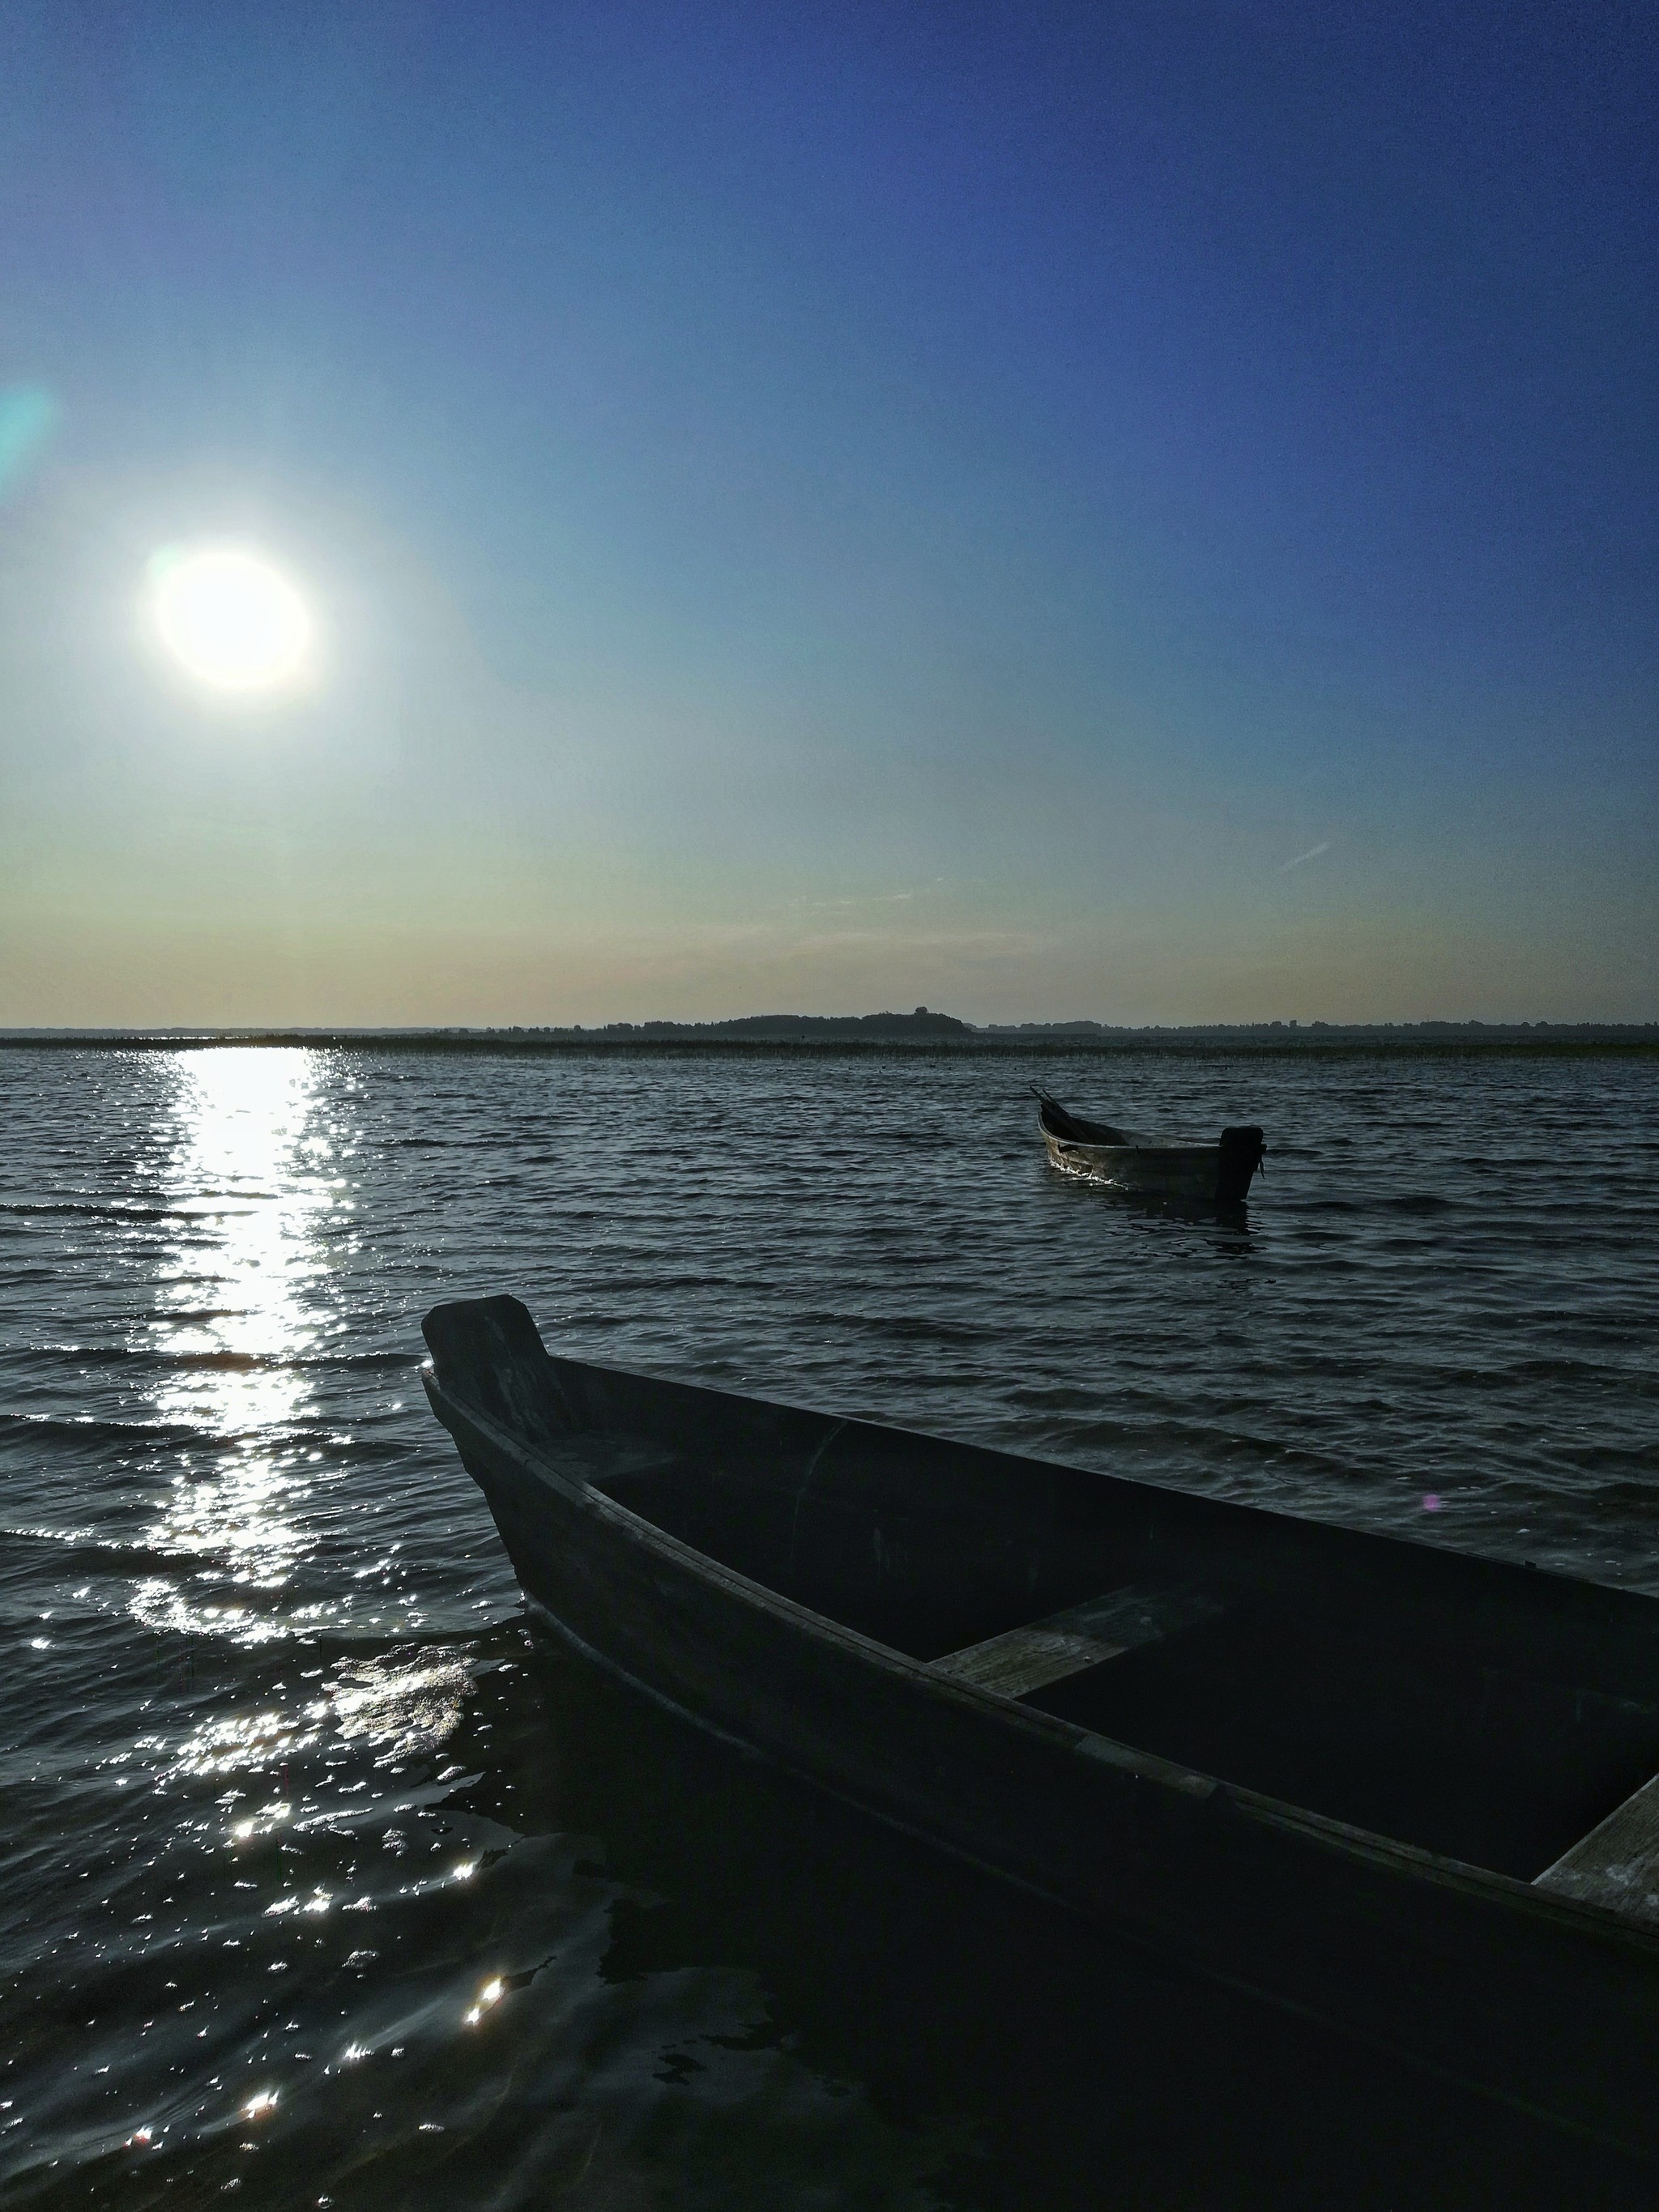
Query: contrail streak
pixel 1312 853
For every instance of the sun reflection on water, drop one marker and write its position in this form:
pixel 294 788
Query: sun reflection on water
pixel 236 1320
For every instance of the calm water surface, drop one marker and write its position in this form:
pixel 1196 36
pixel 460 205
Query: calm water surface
pixel 328 1884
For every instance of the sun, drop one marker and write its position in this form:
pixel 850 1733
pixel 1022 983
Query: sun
pixel 230 619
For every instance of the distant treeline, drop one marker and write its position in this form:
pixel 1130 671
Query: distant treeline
pixel 918 1031
pixel 1295 1033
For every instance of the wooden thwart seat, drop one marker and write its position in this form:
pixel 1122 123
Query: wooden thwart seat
pixel 1617 1864
pixel 1044 1651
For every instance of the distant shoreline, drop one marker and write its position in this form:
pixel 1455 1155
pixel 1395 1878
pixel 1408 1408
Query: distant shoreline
pixel 1327 1040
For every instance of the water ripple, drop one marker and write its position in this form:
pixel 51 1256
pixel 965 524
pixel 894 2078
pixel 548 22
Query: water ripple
pixel 326 1882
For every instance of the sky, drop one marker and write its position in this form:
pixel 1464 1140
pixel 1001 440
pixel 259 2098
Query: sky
pixel 1140 512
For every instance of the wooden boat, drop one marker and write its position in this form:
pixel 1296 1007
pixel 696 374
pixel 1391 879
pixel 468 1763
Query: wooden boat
pixel 1213 1174
pixel 1407 1793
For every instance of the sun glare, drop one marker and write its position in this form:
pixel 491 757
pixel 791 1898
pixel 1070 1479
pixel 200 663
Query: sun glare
pixel 230 619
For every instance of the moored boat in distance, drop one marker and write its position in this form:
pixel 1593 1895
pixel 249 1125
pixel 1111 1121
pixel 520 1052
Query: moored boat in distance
pixel 1210 1174
pixel 1407 1793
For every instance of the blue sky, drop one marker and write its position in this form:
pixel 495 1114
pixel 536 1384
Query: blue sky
pixel 1144 511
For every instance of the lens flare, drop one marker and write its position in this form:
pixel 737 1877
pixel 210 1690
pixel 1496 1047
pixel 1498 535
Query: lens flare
pixel 230 619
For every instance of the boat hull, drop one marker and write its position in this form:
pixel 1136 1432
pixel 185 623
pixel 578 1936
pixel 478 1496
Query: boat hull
pixel 1481 1977
pixel 1185 1171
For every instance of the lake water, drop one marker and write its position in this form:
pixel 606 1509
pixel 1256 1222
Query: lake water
pixel 327 1884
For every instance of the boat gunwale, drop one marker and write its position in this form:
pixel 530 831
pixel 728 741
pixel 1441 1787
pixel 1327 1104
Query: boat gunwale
pixel 1208 1152
pixel 1391 1855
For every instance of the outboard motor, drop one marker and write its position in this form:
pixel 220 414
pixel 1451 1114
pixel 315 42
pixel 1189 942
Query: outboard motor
pixel 1242 1154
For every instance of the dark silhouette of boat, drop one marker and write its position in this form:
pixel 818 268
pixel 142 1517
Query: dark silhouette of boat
pixel 1402 1791
pixel 1214 1174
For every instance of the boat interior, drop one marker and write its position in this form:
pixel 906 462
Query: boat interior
pixel 1481 1712
pixel 1073 1129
